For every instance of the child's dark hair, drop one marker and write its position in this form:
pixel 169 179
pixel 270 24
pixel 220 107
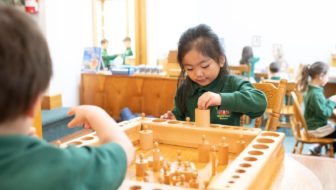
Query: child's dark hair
pixel 24 61
pixel 205 41
pixel 247 54
pixel 316 69
pixel 127 39
pixel 103 41
pixel 274 67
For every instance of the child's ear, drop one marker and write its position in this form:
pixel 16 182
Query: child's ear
pixel 31 111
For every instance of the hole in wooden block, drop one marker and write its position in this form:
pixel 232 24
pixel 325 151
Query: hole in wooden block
pixel 235 176
pixel 256 152
pixel 264 140
pixel 260 146
pixel 87 138
pixel 232 182
pixel 270 134
pixel 245 165
pixel 251 159
pixel 173 122
pixel 75 143
pixel 228 186
pixel 135 187
pixel 159 120
pixel 240 171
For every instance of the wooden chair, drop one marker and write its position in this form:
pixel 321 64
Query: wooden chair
pixel 274 96
pixel 300 131
pixel 240 70
pixel 287 108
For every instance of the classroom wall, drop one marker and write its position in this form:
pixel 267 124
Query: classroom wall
pixel 68 29
pixel 303 28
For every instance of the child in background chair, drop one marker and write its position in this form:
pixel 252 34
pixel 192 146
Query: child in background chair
pixel 204 82
pixel 274 71
pixel 30 163
pixel 249 59
pixel 317 108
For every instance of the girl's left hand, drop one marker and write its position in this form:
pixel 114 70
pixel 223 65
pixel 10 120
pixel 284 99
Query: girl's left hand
pixel 209 99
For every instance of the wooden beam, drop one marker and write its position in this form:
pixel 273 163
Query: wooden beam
pixel 140 32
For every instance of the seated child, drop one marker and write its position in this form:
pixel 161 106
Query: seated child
pixel 274 71
pixel 27 162
pixel 205 82
pixel 317 107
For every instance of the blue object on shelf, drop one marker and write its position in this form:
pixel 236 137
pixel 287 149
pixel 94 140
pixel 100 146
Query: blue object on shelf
pixel 122 70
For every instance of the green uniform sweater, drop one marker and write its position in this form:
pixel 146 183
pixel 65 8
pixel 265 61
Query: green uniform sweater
pixel 29 163
pixel 238 97
pixel 317 108
pixel 107 58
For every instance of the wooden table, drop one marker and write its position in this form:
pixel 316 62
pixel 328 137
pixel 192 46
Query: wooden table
pixel 323 167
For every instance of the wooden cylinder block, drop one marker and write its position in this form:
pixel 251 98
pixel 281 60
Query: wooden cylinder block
pixel 204 152
pixel 146 139
pixel 140 166
pixel 202 118
pixel 223 154
pixel 240 146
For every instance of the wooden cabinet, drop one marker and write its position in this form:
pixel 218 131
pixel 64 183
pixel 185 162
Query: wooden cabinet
pixel 151 95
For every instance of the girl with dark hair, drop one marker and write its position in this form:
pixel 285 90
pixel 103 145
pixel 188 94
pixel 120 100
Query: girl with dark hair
pixel 205 83
pixel 317 108
pixel 249 59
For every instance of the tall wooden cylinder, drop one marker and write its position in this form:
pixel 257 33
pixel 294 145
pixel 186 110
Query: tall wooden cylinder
pixel 202 118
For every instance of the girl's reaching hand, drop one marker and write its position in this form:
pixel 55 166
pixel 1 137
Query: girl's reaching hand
pixel 209 99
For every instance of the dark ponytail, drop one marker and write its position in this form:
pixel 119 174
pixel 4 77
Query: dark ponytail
pixel 314 70
pixel 303 80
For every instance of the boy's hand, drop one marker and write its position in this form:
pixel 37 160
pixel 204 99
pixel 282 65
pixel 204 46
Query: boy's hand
pixel 209 99
pixel 83 115
pixel 168 115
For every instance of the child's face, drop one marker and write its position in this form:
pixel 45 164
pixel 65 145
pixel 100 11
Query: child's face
pixel 105 45
pixel 201 69
pixel 324 79
pixel 127 43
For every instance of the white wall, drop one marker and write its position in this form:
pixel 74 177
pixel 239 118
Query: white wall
pixel 68 28
pixel 304 28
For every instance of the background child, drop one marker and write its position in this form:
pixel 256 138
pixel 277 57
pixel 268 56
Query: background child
pixel 317 108
pixel 106 57
pixel 128 50
pixel 204 82
pixel 274 71
pixel 30 163
pixel 248 59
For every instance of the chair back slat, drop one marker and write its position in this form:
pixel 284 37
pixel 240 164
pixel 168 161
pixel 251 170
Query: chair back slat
pixel 274 96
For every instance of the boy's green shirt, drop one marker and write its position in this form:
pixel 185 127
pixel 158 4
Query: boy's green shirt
pixel 317 108
pixel 238 97
pixel 29 163
pixel 107 58
pixel 128 52
pixel 275 78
